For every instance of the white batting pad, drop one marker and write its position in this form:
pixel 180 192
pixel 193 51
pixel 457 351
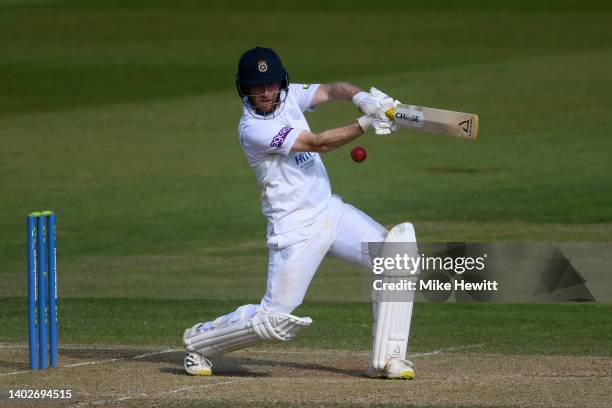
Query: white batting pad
pixel 392 319
pixel 245 327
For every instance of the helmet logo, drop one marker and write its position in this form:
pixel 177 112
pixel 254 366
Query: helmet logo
pixel 262 65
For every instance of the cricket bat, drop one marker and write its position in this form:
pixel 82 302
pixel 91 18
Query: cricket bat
pixel 433 120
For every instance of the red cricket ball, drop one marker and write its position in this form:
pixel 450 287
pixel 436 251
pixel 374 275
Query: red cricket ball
pixel 359 154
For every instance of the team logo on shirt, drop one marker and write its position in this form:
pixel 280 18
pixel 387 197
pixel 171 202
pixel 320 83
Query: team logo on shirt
pixel 262 65
pixel 279 139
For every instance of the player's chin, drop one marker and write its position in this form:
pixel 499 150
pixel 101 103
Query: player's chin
pixel 267 108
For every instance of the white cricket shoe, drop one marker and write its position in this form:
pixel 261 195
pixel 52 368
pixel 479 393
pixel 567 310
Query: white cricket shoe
pixel 197 364
pixel 395 369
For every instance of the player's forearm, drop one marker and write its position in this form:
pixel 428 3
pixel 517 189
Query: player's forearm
pixel 342 91
pixel 327 140
pixel 333 138
pixel 335 91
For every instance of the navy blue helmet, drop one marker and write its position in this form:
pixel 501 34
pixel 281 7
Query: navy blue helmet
pixel 260 66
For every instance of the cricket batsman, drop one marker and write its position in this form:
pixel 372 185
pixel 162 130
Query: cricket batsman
pixel 305 220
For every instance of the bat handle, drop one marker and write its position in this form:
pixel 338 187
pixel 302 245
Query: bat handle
pixel 390 114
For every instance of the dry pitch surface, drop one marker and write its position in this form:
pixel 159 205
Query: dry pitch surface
pixel 127 376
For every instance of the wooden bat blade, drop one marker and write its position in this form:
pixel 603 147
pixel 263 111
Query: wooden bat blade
pixel 433 120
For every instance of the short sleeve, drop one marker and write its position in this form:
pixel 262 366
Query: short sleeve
pixel 304 94
pixel 268 137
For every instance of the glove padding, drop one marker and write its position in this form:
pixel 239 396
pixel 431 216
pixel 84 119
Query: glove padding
pixel 377 93
pixel 381 126
pixel 373 104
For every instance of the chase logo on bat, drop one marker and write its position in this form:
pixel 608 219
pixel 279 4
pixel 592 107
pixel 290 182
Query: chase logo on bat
pixel 405 116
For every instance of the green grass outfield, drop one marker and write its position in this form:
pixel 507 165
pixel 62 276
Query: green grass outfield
pixel 121 116
pixel 580 329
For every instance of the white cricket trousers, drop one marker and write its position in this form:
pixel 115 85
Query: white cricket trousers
pixel 296 255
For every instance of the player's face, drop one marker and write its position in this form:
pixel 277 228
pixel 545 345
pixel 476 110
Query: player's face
pixel 264 97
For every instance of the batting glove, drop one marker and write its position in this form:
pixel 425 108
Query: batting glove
pixel 373 104
pixel 377 93
pixel 380 126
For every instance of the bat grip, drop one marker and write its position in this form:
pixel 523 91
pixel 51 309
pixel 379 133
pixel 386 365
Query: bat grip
pixel 390 114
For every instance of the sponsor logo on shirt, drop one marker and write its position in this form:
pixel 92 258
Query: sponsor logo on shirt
pixel 305 160
pixel 279 139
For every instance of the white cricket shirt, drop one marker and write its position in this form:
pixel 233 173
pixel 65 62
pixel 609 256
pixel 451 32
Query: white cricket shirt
pixel 294 186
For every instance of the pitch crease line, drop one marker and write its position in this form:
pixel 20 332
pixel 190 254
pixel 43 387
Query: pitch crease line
pixel 145 395
pixel 447 350
pixel 429 353
pixel 112 360
pixel 125 347
pixel 140 356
